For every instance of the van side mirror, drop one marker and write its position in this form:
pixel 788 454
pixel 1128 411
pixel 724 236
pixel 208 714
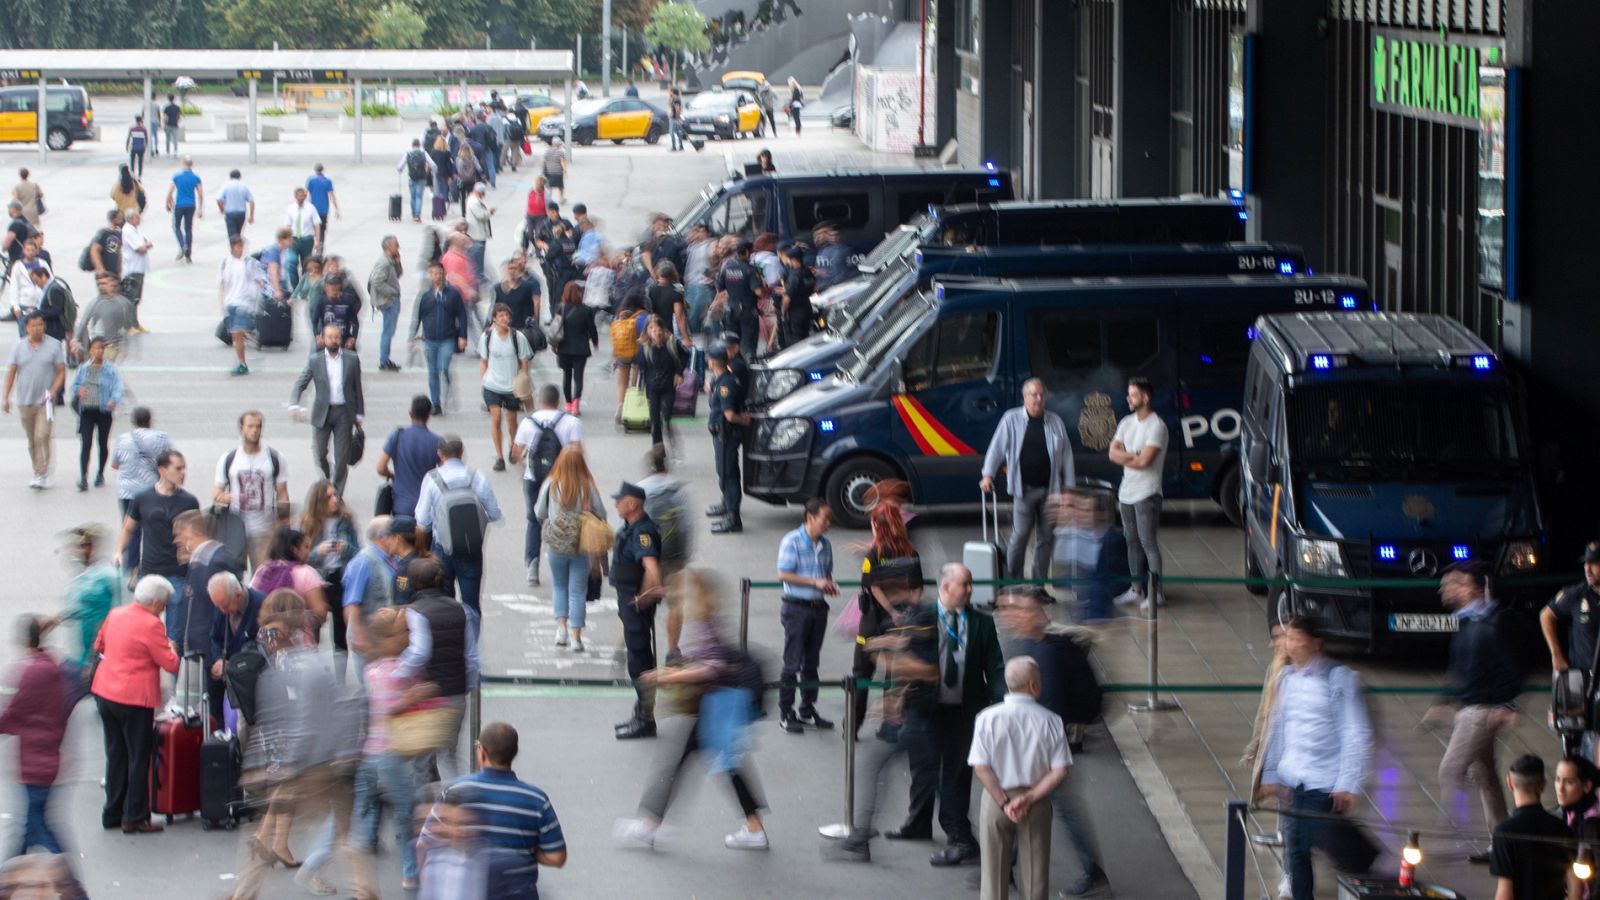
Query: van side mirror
pixel 897 376
pixel 1260 455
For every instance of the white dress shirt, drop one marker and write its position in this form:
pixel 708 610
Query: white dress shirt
pixel 1020 740
pixel 952 695
pixel 302 219
pixel 335 365
pixel 135 261
pixel 1320 737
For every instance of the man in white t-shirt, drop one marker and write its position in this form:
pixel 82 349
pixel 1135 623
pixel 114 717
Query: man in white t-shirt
pixel 568 432
pixel 253 483
pixel 1140 448
pixel 241 297
pixel 503 353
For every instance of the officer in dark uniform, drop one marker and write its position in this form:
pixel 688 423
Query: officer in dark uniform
pixel 727 421
pixel 636 574
pixel 742 284
pixel 1571 625
pixel 741 371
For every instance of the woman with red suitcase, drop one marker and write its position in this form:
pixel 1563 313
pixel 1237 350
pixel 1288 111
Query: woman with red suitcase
pixel 134 651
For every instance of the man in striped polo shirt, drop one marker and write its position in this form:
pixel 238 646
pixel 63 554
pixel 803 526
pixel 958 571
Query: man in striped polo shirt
pixel 514 819
pixel 805 566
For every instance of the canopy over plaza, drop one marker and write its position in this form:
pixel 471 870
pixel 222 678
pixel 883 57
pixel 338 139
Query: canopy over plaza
pixel 354 66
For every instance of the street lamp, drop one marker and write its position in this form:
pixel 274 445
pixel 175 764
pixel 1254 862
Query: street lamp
pixel 1583 866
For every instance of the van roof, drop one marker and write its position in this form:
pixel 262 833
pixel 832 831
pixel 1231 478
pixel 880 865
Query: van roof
pixel 1371 338
pixel 1287 252
pixel 1045 206
pixel 886 174
pixel 957 285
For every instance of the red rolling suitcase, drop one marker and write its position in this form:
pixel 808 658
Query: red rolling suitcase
pixel 175 764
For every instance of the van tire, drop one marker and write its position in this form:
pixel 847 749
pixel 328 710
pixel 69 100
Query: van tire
pixel 1252 570
pixel 847 485
pixel 57 139
pixel 1278 612
pixel 1230 495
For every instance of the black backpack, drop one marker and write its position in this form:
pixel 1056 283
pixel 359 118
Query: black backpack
pixel 416 165
pixel 546 447
pixel 242 672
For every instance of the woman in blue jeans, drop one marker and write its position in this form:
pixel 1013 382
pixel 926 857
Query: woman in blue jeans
pixel 566 495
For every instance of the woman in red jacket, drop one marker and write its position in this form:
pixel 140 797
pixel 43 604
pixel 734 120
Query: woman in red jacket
pixel 134 652
pixel 37 716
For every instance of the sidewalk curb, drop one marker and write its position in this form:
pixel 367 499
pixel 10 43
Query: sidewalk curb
pixel 1176 826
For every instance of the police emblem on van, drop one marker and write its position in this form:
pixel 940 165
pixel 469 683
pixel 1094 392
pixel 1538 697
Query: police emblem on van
pixel 1417 507
pixel 1097 424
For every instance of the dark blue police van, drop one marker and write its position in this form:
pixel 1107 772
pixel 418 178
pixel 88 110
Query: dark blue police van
pixel 814 358
pixel 920 398
pixel 1382 446
pixel 862 205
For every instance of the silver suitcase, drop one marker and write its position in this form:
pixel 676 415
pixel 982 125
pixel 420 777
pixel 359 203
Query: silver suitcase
pixel 986 559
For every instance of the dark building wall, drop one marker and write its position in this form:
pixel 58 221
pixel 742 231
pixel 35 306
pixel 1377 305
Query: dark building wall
pixel 1143 56
pixel 1290 123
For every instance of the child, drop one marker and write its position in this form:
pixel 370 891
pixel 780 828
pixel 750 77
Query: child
pixel 625 332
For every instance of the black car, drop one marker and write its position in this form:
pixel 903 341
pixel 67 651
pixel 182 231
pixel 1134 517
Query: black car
pixel 722 114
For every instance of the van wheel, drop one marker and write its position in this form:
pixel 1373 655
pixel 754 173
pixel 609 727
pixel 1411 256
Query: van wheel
pixel 1230 495
pixel 1278 611
pixel 848 486
pixel 57 139
pixel 1252 570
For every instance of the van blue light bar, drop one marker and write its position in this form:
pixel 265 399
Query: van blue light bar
pixel 825 426
pixel 1286 268
pixel 1388 552
pixel 1347 302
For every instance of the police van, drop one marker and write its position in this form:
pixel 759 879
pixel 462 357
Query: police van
pixel 862 205
pixel 813 359
pixel 921 397
pixel 1382 446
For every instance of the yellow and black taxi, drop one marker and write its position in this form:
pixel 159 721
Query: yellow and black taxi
pixel 614 119
pixel 722 114
pixel 69 115
pixel 540 107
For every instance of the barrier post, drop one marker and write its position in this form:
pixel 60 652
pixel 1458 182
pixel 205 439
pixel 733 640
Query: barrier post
pixel 840 831
pixel 1152 702
pixel 744 615
pixel 1233 852
pixel 474 724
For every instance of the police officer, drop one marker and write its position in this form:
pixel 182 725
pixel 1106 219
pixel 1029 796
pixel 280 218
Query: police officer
pixel 741 371
pixel 1571 625
pixel 727 422
pixel 743 287
pixel 636 574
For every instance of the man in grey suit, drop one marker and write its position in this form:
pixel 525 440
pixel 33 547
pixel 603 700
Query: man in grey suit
pixel 337 408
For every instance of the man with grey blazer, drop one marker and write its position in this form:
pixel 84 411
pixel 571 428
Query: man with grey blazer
pixel 383 286
pixel 337 408
pixel 1031 442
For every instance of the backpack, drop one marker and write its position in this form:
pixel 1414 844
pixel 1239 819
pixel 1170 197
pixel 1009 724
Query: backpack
pixel 545 448
pixel 275 574
pixel 563 531
pixel 242 672
pixel 69 304
pixel 625 338
pixel 667 508
pixel 460 523
pixel 745 672
pixel 416 166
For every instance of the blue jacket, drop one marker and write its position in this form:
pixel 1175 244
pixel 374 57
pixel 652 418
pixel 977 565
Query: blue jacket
pixel 110 383
pixel 441 316
pixel 225 641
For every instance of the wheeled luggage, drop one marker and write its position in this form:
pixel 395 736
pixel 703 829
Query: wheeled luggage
pixel 441 207
pixel 175 762
pixel 275 324
pixel 986 559
pixel 635 410
pixel 395 205
pixel 688 393
pixel 221 798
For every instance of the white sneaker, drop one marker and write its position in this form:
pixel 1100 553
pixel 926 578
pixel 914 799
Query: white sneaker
pixel 1144 605
pixel 561 636
pixel 744 839
pixel 1129 597
pixel 577 645
pixel 36 483
pixel 1285 890
pixel 635 830
pixel 45 482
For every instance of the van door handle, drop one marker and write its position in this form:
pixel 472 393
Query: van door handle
pixel 987 403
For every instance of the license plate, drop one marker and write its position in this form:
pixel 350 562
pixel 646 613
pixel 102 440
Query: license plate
pixel 700 128
pixel 1423 622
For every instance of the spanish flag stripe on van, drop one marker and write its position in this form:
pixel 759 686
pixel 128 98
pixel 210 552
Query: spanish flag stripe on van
pixel 931 437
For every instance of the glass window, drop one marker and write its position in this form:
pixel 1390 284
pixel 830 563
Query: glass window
pixel 1219 347
pixel 966 350
pixel 19 102
pixel 918 365
pixel 743 214
pixel 1131 343
pixel 1062 346
pixel 845 209
pixel 58 101
pixel 967 25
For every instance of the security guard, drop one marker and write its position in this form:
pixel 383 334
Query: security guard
pixel 741 371
pixel 727 422
pixel 742 287
pixel 1571 625
pixel 636 574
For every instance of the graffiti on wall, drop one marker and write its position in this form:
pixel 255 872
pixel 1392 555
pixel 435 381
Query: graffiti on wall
pixel 734 27
pixel 887 105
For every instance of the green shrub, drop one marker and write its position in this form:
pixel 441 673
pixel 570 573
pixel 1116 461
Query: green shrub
pixel 189 109
pixel 371 110
pixel 276 111
pixel 447 109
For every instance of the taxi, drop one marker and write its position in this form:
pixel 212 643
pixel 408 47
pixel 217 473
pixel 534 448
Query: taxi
pixel 70 115
pixel 722 114
pixel 540 106
pixel 614 119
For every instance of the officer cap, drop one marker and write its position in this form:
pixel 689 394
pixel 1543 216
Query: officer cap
pixel 402 525
pixel 745 245
pixel 629 489
pixel 730 337
pixel 1591 552
pixel 718 352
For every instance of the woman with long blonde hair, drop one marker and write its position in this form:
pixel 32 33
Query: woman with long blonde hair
pixel 330 528
pixel 566 494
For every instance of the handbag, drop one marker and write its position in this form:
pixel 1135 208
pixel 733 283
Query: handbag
pixel 537 343
pixel 358 446
pixel 384 505
pixel 522 387
pixel 594 535
pixel 223 334
pixel 39 204
pixel 416 732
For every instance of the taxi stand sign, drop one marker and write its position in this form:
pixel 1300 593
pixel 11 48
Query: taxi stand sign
pixel 314 75
pixel 21 74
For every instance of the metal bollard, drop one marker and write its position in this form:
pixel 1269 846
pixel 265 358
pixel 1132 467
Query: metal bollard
pixel 474 724
pixel 840 831
pixel 1233 852
pixel 744 614
pixel 1152 702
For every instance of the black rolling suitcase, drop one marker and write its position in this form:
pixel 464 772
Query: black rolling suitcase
pixel 441 207
pixel 275 324
pixel 221 798
pixel 395 205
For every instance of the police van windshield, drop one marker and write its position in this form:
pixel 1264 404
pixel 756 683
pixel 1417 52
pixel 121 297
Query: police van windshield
pixel 1429 430
pixel 696 209
pixel 910 319
pixel 903 242
pixel 845 320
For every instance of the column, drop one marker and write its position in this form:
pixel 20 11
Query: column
pixel 357 107
pixel 250 120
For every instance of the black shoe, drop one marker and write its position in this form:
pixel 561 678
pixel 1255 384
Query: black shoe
pixel 100 480
pixel 910 832
pixel 856 848
pixel 83 485
pixel 1478 857
pixel 789 723
pixel 727 526
pixel 810 717
pixel 635 728
pixel 716 512
pixel 954 855
pixel 1076 748
pixel 499 465
pixel 437 411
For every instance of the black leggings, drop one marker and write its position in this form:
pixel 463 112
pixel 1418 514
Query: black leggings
pixel 92 422
pixel 572 374
pixel 136 162
pixel 661 414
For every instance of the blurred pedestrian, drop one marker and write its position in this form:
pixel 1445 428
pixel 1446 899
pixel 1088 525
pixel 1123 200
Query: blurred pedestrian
pixel 796 318
pixel 667 503
pixel 564 497
pixel 440 318
pixel 149 520
pixel 237 204
pixel 540 438
pixel 480 227
pixel 171 115
pixel 29 195
pixel 890 551
pixel 37 369
pixel 134 458
pixel 233 628
pixel 1090 551
pixel 419 170
pixel 92 592
pixel 186 197
pixel 1031 444
pixel 320 188
pixel 37 717
pixel 371 580
pixel 135 262
pixel 337 408
pixel 442 650
pixel 304 224
pixel 240 298
pixel 461 272
pixel 503 357
pixel 537 211
pixel 710 714
pixel 408 454
pixel 661 362
pixel 1253 755
pixel 287 567
pixel 127 687
pixel 575 339
pixel 1019 754
pixel 555 168
pixel 805 568
pixel 454 510
pixel 636 574
pixel 383 286
pixel 127 192
pixel 96 394
pixel 331 531
pixel 137 142
pixel 206 557
pixel 514 820
pixel 109 315
pixel 797 102
pixel 452 860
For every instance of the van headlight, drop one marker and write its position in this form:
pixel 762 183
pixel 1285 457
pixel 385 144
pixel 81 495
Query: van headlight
pixel 1319 557
pixel 723 120
pixel 782 382
pixel 1521 556
pixel 786 433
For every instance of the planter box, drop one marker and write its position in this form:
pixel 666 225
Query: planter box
pixel 294 123
pixel 390 124
pixel 239 133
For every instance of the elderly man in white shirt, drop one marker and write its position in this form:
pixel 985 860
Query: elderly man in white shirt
pixel 480 228
pixel 1020 756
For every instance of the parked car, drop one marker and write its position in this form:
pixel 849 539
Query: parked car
pixel 614 119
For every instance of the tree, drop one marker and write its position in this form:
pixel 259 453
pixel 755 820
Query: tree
pixel 678 27
pixel 300 24
pixel 396 25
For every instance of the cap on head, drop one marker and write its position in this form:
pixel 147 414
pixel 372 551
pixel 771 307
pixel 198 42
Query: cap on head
pixel 1591 552
pixel 401 525
pixel 745 245
pixel 730 337
pixel 629 489
pixel 718 352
